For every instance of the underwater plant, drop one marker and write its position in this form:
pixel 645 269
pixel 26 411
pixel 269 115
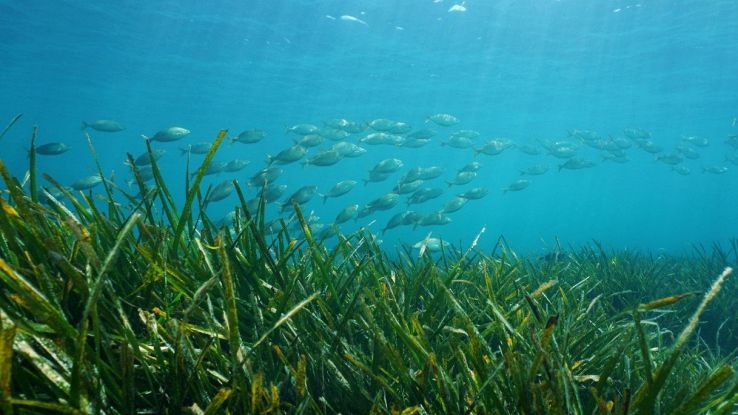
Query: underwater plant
pixel 154 308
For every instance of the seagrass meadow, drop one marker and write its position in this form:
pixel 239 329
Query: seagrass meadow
pixel 148 306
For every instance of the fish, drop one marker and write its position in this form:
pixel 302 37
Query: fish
pixel 401 128
pixel 409 187
pixel 169 134
pixel 87 183
pixel 688 152
pixel 399 219
pixel 637 133
pixel 346 149
pixel 671 159
pixel 535 170
pixel 324 158
pixel 382 124
pixel 424 195
pixel 215 167
pixel 375 176
pixel 310 140
pixel 388 166
pixel 349 18
pixel 715 169
pixel 355 127
pixel 732 141
pixel 431 245
pixel 381 138
pixel 197 148
pixel 529 149
pixel 415 142
pixel 732 158
pixel 273 193
pixel 431 219
pixel 106 126
pixel 494 147
pixel 454 204
pixel 516 186
pixel 52 149
pixel 466 133
pixel 622 143
pixel 346 214
pixel 458 142
pixel 287 156
pixel 682 170
pixel 235 165
pixel 474 166
pixel 444 120
pixel 144 159
pixel 457 8
pixel 576 164
pixel 337 123
pixel 422 173
pixel 301 196
pixel 265 176
pixel 462 178
pixel 384 202
pixel 334 134
pixel 696 141
pixel 615 157
pixel 475 193
pixel 563 152
pixel 339 189
pixel 303 129
pixel 422 134
pixel 251 136
pixel 650 147
pixel 145 172
pixel 220 191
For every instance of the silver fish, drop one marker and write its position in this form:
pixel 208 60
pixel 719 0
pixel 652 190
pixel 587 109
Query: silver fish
pixel 52 149
pixel 106 126
pixel 462 178
pixel 220 191
pixel 346 214
pixel 324 158
pixel 444 120
pixel 169 134
pixel 516 186
pixel 251 136
pixel 235 165
pixel 475 193
pixel 424 195
pixel 576 164
pixel 454 204
pixel 339 189
pixel 288 155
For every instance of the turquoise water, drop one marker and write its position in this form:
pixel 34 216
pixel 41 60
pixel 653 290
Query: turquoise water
pixel 522 70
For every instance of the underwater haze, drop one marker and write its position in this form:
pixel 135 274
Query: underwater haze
pixel 630 106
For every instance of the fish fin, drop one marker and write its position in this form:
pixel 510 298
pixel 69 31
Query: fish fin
pixel 324 197
pixel 145 137
pixel 84 125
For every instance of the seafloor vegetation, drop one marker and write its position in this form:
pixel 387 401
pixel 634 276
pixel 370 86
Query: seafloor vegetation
pixel 156 309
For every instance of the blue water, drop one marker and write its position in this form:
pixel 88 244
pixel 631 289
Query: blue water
pixel 524 70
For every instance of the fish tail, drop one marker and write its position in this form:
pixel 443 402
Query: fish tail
pixel 324 197
pixel 561 166
pixel 84 125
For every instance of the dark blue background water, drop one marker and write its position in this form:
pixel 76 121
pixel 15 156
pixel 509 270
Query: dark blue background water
pixel 525 70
